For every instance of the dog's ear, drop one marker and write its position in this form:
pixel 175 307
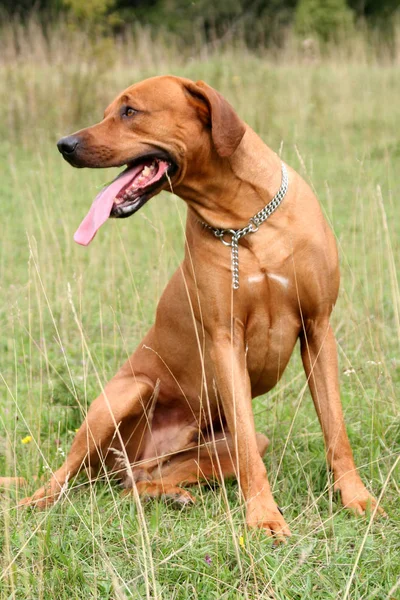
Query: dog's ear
pixel 227 129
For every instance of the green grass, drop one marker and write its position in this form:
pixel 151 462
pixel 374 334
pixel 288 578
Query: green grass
pixel 337 123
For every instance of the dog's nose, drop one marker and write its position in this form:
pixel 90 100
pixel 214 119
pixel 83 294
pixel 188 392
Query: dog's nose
pixel 67 145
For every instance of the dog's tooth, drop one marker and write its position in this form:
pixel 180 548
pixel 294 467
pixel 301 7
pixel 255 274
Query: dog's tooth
pixel 146 171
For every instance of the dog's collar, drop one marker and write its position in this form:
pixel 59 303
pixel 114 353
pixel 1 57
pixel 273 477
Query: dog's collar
pixel 252 227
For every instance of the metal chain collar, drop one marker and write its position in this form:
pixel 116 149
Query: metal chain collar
pixel 252 227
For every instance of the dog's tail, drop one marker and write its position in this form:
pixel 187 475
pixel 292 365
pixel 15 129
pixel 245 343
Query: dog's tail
pixel 17 482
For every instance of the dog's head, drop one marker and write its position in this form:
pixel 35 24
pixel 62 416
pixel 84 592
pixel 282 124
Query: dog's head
pixel 163 129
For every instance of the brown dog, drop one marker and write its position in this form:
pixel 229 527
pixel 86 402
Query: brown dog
pixel 180 409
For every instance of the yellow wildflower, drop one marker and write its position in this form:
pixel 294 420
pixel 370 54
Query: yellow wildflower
pixel 241 541
pixel 26 439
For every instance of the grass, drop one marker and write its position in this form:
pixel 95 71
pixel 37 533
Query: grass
pixel 336 122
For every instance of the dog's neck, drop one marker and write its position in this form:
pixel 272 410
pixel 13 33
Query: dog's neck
pixel 237 188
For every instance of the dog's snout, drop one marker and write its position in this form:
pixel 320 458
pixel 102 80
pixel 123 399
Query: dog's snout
pixel 67 145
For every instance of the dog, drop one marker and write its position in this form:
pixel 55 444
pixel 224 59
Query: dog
pixel 260 272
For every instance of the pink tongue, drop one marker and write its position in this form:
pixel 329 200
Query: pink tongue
pixel 101 207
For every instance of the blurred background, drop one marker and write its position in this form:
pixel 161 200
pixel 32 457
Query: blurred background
pixel 86 41
pixel 258 23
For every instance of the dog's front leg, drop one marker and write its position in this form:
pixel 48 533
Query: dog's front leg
pixel 125 396
pixel 318 351
pixel 233 383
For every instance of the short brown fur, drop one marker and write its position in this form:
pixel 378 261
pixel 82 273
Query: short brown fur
pixel 211 348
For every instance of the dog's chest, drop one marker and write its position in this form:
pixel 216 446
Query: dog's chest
pixel 272 326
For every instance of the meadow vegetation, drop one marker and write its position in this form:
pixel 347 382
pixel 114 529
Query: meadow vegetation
pixel 70 316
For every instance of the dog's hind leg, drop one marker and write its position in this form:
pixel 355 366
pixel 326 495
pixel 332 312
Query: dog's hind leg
pixel 214 460
pixel 126 396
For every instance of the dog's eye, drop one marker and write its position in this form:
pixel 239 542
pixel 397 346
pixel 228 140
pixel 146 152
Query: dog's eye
pixel 128 111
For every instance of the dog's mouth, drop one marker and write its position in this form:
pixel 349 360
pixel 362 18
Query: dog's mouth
pixel 143 178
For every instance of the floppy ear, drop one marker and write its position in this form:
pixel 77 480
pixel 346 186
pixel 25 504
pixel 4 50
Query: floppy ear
pixel 227 129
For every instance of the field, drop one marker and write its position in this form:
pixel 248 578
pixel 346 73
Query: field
pixel 70 316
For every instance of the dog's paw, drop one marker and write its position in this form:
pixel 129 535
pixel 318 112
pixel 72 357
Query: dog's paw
pixel 180 497
pixel 268 517
pixel 357 499
pixel 41 499
pixel 47 495
pixel 363 505
pixel 173 493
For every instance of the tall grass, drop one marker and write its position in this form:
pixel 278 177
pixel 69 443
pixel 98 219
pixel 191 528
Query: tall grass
pixel 60 75
pixel 69 316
